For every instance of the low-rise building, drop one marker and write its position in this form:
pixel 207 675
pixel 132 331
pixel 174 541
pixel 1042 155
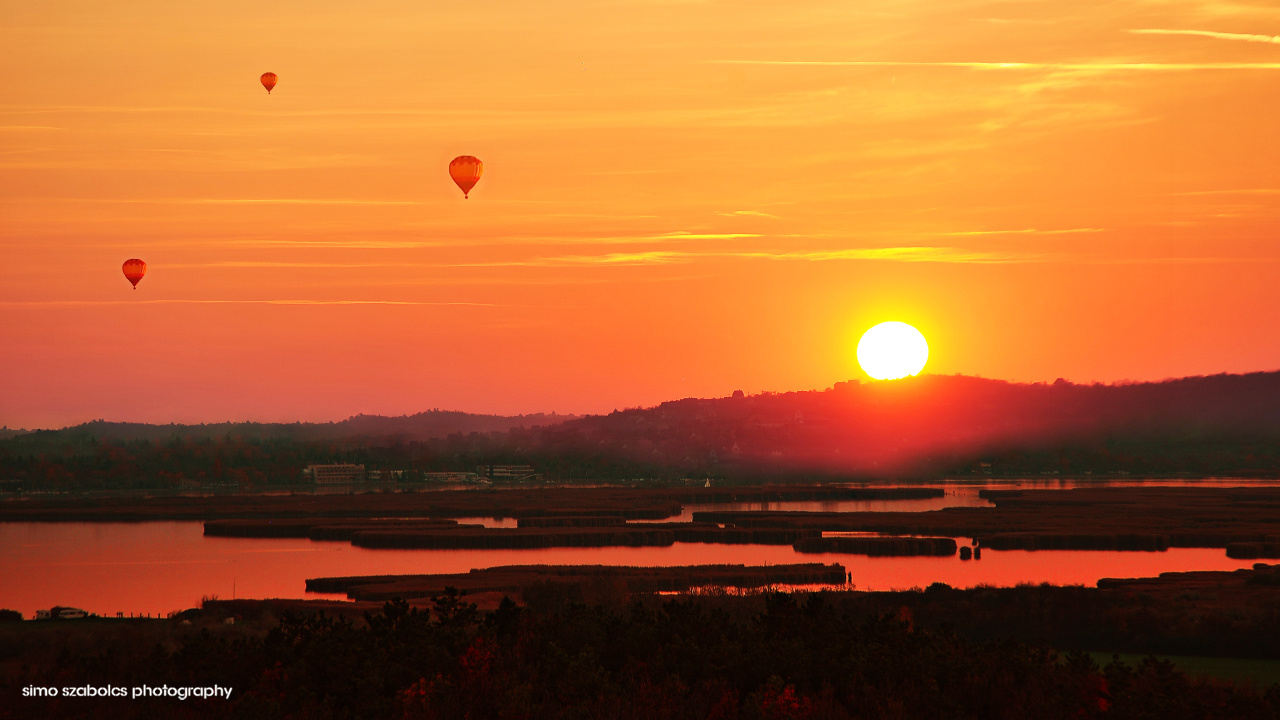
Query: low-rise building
pixel 451 477
pixel 58 612
pixel 510 473
pixel 337 474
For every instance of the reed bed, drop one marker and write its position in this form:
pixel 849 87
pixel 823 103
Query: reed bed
pixel 517 578
pixel 1251 551
pixel 572 521
pixel 314 528
pixel 1049 541
pixel 743 536
pixel 511 538
pixel 1133 518
pixel 879 546
pixel 631 503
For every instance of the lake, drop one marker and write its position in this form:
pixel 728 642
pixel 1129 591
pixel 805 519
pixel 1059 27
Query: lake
pixel 159 567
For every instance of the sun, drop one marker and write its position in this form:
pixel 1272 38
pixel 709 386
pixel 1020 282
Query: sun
pixel 892 350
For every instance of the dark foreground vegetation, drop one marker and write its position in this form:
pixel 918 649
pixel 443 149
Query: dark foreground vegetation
pixel 921 428
pixel 1207 613
pixel 939 653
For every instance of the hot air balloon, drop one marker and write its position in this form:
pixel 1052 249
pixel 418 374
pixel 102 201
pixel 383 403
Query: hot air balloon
pixel 268 81
pixel 466 170
pixel 134 270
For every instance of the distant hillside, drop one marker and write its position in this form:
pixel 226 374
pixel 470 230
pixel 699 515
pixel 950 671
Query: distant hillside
pixel 938 423
pixel 924 427
pixel 422 426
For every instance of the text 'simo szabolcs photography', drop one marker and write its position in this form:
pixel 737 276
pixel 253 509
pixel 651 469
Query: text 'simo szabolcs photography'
pixel 640 359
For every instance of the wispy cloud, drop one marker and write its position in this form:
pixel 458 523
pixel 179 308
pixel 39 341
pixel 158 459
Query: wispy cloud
pixel 1245 37
pixel 292 201
pixel 342 244
pixel 749 213
pixel 655 257
pixel 1242 191
pixel 907 254
pixel 918 254
pixel 751 113
pixel 1182 260
pixel 376 244
pixel 1097 66
pixel 236 264
pixel 679 235
pixel 1026 231
pixel 671 257
pixel 272 112
pixel 214 201
pixel 75 303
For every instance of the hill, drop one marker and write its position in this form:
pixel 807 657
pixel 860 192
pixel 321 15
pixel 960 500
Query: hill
pixel 946 424
pixel 925 427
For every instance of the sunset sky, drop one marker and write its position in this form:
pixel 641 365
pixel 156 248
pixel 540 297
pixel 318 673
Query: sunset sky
pixel 680 198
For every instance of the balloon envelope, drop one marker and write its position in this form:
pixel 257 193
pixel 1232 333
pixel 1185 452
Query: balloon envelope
pixel 134 270
pixel 466 170
pixel 268 81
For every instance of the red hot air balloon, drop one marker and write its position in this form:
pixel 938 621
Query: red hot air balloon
pixel 466 170
pixel 268 81
pixel 134 270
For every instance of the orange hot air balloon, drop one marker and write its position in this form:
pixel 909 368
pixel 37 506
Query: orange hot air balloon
pixel 466 170
pixel 134 270
pixel 268 81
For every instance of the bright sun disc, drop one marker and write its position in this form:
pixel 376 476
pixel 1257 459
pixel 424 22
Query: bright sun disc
pixel 892 350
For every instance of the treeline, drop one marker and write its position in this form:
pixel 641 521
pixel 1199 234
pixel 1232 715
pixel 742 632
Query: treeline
pixel 925 428
pixel 63 460
pixel 420 426
pixel 779 656
pixel 81 460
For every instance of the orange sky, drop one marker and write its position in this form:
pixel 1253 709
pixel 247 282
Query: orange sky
pixel 680 198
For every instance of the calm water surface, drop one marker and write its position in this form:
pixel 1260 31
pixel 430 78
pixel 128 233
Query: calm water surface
pixel 163 566
pixel 159 567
